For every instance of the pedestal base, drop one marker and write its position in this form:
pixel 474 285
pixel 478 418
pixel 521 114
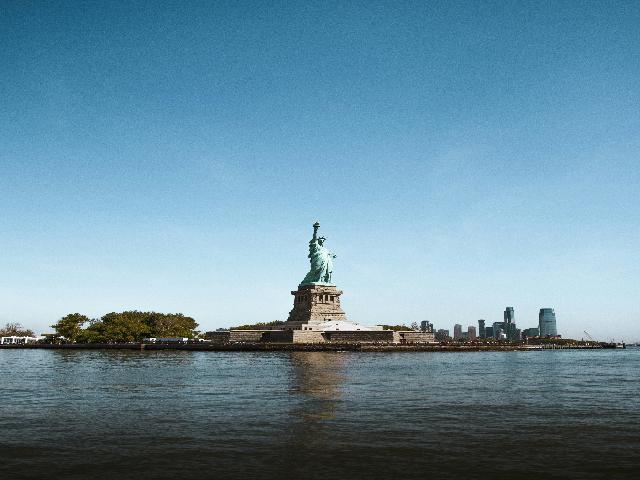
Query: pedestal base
pixel 314 304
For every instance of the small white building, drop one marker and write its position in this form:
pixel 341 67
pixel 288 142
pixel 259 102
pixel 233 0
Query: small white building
pixel 15 340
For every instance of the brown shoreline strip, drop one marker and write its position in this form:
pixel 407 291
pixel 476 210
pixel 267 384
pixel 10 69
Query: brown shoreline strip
pixel 294 347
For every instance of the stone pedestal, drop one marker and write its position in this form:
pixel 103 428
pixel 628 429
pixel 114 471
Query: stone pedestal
pixel 314 304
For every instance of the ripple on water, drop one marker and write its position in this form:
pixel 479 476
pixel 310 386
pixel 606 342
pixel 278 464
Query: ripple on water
pixel 108 414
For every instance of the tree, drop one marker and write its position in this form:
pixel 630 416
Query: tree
pixel 415 327
pixel 123 327
pixel 170 325
pixel 15 329
pixel 70 326
pixel 94 333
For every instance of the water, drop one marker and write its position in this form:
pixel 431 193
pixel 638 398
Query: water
pixel 128 414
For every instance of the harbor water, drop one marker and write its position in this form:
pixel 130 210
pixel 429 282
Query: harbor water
pixel 176 414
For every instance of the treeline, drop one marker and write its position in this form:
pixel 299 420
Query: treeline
pixel 130 326
pixel 258 326
pixel 15 329
pixel 401 328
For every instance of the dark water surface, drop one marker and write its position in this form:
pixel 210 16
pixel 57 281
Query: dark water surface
pixel 126 414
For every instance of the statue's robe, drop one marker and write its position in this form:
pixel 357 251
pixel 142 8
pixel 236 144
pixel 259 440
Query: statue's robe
pixel 321 264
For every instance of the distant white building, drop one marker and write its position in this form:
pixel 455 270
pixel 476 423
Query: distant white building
pixel 15 340
pixel 165 340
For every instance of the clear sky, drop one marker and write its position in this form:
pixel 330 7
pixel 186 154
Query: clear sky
pixel 460 157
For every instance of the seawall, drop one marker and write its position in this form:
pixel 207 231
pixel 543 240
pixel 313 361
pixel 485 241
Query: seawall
pixel 289 347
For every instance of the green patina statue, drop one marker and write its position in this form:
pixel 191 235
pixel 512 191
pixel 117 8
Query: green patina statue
pixel 321 261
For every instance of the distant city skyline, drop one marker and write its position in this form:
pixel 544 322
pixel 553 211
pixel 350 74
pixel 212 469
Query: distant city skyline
pixel 545 325
pixel 460 157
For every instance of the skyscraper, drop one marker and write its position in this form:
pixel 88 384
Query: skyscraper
pixel 499 330
pixel 482 333
pixel 457 331
pixel 547 323
pixel 472 333
pixel 509 315
pixel 510 329
pixel 426 326
pixel 442 335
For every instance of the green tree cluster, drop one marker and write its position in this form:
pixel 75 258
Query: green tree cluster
pixel 70 326
pixel 123 327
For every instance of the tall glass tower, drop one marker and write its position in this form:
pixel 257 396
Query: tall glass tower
pixel 509 315
pixel 481 329
pixel 510 324
pixel 547 322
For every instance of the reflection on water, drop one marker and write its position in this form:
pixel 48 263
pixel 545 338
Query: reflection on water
pixel 317 376
pixel 315 396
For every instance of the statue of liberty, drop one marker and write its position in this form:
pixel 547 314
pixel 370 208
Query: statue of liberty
pixel 321 260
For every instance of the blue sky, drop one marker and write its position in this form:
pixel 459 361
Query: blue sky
pixel 460 156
